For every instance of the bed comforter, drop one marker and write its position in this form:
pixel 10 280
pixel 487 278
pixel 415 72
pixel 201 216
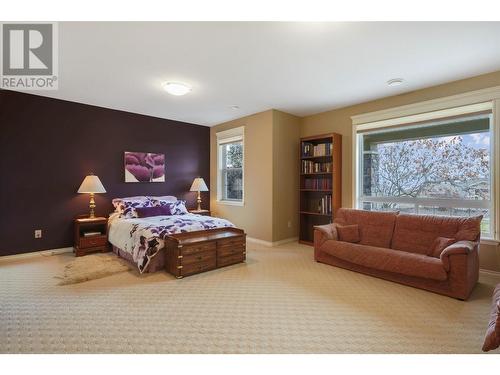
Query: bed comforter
pixel 144 238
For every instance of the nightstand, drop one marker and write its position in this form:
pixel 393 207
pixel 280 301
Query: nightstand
pixel 91 234
pixel 200 212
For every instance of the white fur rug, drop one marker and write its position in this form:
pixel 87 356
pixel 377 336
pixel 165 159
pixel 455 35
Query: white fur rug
pixel 91 267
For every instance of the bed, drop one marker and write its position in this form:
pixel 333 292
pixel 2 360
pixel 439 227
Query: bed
pixel 141 239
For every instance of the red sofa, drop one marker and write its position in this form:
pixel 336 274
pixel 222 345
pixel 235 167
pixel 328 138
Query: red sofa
pixel 435 253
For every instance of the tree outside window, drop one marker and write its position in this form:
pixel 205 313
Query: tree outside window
pixel 232 171
pixel 440 174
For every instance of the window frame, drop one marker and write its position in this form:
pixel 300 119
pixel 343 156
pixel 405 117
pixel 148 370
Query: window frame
pixel 223 138
pixel 437 109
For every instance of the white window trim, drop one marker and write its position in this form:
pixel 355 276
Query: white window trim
pixel 228 136
pixel 469 102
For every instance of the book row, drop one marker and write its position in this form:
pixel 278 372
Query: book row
pixel 322 149
pixel 317 183
pixel 325 205
pixel 309 166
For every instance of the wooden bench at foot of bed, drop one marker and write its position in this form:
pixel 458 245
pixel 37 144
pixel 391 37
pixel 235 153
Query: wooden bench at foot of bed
pixel 194 252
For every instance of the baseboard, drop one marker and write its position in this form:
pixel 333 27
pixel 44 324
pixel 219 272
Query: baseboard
pixel 44 253
pixel 286 240
pixel 272 244
pixel 489 272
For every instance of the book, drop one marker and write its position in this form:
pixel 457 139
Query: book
pixel 325 205
pixel 90 234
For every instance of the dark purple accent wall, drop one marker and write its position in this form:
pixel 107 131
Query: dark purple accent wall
pixel 48 146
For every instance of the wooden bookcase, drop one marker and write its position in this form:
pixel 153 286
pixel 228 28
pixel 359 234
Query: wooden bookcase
pixel 320 188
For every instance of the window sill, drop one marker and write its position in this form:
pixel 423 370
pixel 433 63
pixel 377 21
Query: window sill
pixel 231 203
pixel 489 241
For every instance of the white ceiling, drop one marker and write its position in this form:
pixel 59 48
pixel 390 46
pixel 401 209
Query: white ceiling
pixel 300 68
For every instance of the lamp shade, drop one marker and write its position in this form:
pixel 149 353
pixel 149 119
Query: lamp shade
pixel 199 185
pixel 91 184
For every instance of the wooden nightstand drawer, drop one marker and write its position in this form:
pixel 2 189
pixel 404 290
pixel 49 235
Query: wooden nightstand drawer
pixel 198 257
pixel 93 241
pixel 230 250
pixel 198 248
pixel 207 265
pixel 231 259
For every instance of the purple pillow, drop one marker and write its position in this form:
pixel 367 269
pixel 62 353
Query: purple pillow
pixel 153 211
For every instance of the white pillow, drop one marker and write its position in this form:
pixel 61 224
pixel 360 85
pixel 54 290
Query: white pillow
pixel 140 198
pixel 164 198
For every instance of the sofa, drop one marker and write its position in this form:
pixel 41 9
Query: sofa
pixel 492 337
pixel 436 253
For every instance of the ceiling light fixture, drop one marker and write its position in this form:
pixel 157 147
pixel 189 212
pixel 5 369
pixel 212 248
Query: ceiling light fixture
pixel 234 107
pixel 395 82
pixel 176 88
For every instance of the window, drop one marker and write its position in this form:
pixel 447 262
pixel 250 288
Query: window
pixel 230 148
pixel 440 167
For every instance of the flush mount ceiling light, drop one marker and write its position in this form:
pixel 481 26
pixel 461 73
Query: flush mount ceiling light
pixel 395 82
pixel 235 107
pixel 176 88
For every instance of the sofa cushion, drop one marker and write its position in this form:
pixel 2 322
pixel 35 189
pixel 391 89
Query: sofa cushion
pixel 470 229
pixel 416 233
pixel 348 233
pixel 389 260
pixel 375 228
pixel 492 337
pixel 439 244
pixel 329 231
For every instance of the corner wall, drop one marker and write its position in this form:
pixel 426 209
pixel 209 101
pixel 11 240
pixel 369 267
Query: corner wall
pixel 286 135
pixel 255 216
pixel 271 166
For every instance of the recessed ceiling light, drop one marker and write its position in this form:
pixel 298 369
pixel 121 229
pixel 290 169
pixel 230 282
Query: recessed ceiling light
pixel 234 107
pixel 176 88
pixel 395 82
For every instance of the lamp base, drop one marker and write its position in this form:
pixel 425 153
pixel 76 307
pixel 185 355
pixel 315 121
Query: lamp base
pixel 92 206
pixel 199 201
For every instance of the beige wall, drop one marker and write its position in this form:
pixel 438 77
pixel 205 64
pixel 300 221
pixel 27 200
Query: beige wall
pixel 286 134
pixel 257 213
pixel 339 121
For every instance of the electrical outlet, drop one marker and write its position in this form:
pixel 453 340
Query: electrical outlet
pixel 289 223
pixel 38 233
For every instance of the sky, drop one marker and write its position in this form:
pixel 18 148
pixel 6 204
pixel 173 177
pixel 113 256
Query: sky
pixel 477 140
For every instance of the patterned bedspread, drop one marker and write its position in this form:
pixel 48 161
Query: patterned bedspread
pixel 143 238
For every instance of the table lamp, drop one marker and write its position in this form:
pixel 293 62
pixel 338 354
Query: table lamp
pixel 91 185
pixel 199 185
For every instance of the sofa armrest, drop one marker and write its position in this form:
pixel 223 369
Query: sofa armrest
pixel 460 247
pixel 329 231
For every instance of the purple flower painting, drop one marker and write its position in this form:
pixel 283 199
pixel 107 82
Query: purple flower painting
pixel 144 167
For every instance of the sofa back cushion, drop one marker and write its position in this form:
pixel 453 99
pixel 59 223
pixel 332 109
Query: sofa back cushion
pixel 375 228
pixel 348 233
pixel 417 233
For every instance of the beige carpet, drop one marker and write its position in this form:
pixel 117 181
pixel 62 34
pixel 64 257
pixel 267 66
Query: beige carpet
pixel 92 267
pixel 280 301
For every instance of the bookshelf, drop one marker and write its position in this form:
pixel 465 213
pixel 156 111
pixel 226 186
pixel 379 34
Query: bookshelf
pixel 320 182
